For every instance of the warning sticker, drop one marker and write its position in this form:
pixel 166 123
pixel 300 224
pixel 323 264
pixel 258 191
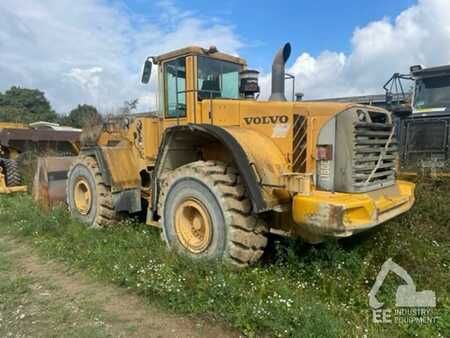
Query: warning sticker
pixel 280 130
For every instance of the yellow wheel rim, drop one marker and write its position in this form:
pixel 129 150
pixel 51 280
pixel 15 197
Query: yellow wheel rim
pixel 82 196
pixel 193 225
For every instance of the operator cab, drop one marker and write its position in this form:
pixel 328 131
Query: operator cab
pixel 431 90
pixel 190 75
pixel 424 134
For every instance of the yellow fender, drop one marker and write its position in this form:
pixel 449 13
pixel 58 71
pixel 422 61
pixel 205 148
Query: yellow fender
pixel 257 158
pixel 267 160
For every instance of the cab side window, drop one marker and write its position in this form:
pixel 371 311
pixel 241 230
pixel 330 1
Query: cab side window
pixel 217 78
pixel 175 81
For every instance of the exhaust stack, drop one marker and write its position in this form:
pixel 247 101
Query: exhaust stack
pixel 278 73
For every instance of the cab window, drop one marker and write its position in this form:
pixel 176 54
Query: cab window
pixel 217 78
pixel 175 79
pixel 432 92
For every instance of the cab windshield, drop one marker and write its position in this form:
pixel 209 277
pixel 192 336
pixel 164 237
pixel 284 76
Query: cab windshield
pixel 217 78
pixel 432 92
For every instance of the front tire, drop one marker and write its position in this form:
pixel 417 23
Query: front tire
pixel 206 215
pixel 88 197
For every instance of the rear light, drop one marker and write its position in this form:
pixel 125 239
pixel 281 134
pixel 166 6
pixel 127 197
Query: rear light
pixel 324 152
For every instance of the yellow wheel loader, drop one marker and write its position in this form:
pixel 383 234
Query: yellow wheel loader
pixel 38 138
pixel 217 170
pixel 10 180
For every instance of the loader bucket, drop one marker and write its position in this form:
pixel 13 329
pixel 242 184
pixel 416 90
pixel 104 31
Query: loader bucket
pixel 49 184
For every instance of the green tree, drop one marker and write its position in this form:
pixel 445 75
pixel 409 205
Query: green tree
pixel 82 116
pixel 25 105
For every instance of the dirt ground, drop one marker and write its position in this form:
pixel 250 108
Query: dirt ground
pixel 45 299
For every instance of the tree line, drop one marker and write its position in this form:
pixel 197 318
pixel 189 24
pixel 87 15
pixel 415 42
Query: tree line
pixel 23 105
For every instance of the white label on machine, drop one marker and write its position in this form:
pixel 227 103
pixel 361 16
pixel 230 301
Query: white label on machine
pixel 280 130
pixel 324 170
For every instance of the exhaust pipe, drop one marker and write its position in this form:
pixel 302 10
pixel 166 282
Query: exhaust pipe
pixel 278 73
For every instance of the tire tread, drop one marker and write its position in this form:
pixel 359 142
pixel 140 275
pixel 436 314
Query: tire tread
pixel 106 216
pixel 11 172
pixel 246 238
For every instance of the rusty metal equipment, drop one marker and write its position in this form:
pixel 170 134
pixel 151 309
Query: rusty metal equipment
pixel 17 140
pixel 49 184
pixel 217 170
pixel 423 124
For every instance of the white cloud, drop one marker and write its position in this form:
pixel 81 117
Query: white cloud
pixel 88 78
pixel 92 51
pixel 419 35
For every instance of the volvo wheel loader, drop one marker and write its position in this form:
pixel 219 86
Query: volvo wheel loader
pixel 218 170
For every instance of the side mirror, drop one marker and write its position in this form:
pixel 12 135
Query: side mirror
pixel 147 72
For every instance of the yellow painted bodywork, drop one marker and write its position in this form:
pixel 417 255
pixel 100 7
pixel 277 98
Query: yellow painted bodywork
pixel 123 170
pixel 130 150
pixel 269 148
pixel 83 196
pixel 6 125
pixel 269 162
pixel 341 214
pixel 4 189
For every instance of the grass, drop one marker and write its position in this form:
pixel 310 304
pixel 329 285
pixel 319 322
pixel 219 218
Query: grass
pixel 298 290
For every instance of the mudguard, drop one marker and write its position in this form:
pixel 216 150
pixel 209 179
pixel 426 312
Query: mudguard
pixel 121 173
pixel 257 158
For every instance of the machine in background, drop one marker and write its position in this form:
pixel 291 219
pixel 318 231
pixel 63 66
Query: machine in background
pixel 423 119
pixel 40 138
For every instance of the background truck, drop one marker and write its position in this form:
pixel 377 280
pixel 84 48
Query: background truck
pixel 217 170
pixel 423 119
pixel 420 103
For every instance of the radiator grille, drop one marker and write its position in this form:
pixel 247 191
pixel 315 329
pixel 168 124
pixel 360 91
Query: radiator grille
pixel 300 141
pixel 374 153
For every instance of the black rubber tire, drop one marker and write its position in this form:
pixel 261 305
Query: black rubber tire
pixel 11 172
pixel 101 213
pixel 238 236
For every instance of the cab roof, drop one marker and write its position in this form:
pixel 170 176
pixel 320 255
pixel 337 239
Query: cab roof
pixel 432 71
pixel 194 50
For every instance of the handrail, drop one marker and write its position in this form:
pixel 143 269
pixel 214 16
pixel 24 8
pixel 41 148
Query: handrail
pixel 211 92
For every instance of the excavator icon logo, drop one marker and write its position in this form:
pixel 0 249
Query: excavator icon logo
pixel 406 295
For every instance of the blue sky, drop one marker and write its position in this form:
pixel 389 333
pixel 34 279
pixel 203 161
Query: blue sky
pixel 312 26
pixel 92 51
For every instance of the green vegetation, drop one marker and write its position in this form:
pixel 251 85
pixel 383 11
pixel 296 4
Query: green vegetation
pixel 82 116
pixel 23 105
pixel 298 290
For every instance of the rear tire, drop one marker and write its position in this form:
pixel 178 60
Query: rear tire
pixel 88 197
pixel 208 195
pixel 11 172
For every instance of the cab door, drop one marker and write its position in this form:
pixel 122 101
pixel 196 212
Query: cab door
pixel 178 98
